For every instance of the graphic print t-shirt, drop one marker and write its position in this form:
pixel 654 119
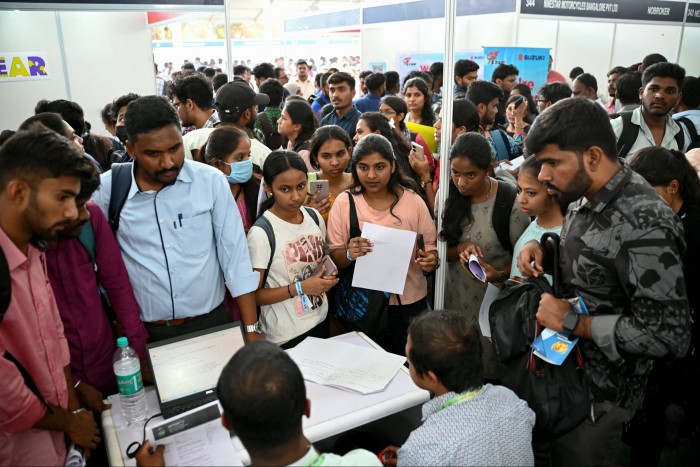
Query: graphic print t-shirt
pixel 298 251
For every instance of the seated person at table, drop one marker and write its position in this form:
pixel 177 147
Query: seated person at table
pixel 467 422
pixel 263 396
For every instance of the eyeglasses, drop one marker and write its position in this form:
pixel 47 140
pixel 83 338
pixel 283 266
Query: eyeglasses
pixel 387 112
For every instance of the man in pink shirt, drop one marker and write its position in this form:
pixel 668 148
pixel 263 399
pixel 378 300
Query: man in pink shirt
pixel 40 174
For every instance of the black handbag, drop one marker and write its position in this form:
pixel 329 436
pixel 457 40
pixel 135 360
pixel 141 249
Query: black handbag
pixel 558 394
pixel 359 309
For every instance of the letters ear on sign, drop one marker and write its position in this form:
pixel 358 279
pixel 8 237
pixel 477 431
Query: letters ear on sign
pixel 23 66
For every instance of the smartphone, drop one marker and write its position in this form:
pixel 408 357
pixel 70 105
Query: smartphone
pixel 516 103
pixel 322 185
pixel 419 150
pixel 420 243
pixel 331 268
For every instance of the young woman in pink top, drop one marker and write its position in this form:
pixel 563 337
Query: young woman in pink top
pixel 383 195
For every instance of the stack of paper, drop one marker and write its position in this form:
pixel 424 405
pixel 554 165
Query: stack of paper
pixel 346 366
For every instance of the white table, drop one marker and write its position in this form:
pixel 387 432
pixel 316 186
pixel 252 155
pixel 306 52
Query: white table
pixel 333 411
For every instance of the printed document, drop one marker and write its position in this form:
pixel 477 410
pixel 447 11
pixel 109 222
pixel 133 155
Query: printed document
pixel 346 366
pixel 386 267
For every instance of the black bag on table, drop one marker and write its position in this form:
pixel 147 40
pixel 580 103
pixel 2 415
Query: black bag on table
pixel 559 395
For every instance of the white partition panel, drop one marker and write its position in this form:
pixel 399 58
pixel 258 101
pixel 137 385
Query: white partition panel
pixel 634 41
pixel 690 50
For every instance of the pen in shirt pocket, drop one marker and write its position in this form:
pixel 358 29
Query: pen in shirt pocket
pixel 179 218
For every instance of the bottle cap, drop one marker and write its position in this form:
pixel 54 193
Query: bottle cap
pixel 122 342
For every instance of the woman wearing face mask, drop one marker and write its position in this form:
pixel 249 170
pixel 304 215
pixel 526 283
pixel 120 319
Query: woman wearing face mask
pixel 228 149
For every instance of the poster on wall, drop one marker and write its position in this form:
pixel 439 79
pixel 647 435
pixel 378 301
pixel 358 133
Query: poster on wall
pixel 532 63
pixel 407 62
pixel 23 66
pixel 377 67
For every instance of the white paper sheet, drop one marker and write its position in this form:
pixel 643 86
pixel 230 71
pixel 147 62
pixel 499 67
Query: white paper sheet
pixel 490 295
pixel 513 164
pixel 196 437
pixel 385 268
pixel 345 366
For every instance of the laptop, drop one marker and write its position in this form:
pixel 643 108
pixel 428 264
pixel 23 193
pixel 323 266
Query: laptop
pixel 186 368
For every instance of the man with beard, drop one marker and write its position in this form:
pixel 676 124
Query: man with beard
pixel 612 106
pixel 651 124
pixel 40 173
pixel 486 96
pixel 621 248
pixel 85 257
pixel 180 242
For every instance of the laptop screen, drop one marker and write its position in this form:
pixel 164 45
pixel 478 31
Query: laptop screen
pixel 192 363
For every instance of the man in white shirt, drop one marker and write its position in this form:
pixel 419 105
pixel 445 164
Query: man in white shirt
pixel 305 83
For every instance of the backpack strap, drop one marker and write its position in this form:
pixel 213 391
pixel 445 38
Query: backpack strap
pixel 28 380
pixel 263 223
pixel 629 134
pixel 121 184
pixel 500 217
pixel 690 126
pixel 86 237
pixel 501 142
pixel 267 126
pixel 354 222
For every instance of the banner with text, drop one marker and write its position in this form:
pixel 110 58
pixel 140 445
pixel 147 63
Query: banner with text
pixel 639 10
pixel 407 62
pixel 532 63
pixel 23 66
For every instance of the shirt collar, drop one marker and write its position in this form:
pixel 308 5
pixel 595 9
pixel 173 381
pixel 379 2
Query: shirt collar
pixel 15 258
pixel 433 406
pixel 606 194
pixel 306 460
pixel 348 115
pixel 185 175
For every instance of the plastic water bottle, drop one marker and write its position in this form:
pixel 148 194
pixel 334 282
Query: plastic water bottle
pixel 132 395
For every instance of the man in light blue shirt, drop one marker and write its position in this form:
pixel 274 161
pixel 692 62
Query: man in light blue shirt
pixel 179 230
pixel 467 422
pixel 688 109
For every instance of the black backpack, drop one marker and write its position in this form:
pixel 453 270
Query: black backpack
pixel 558 395
pixel 690 126
pixel 630 132
pixel 121 184
pixel 273 140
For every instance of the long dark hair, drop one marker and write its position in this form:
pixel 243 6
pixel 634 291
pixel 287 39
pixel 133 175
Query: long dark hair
pixel 222 142
pixel 377 122
pixel 378 144
pixel 427 116
pixel 300 112
pixel 323 135
pixel 526 92
pixel 660 166
pixel 458 208
pixel 399 106
pixel 276 163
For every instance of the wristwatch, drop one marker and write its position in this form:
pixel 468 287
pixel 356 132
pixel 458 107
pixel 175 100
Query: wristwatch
pixel 570 322
pixel 253 327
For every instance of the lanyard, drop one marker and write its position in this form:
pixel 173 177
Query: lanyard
pixel 461 398
pixel 316 461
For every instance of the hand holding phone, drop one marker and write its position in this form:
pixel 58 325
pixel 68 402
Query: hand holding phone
pixel 320 186
pixel 420 153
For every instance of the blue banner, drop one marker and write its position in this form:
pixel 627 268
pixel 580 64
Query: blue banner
pixel 533 64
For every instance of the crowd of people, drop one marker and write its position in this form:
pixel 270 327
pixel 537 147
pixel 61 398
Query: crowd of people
pixel 197 211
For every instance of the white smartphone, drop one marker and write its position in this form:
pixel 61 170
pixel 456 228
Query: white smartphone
pixel 322 185
pixel 419 150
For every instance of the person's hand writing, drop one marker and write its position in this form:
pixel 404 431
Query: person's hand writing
pixel 388 455
pixel 359 246
pixel 82 429
pixel 530 252
pixel 318 283
pixel 91 398
pixel 149 457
